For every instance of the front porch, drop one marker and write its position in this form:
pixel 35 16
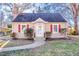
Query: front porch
pixel 56 36
pixel 52 36
pixel 46 35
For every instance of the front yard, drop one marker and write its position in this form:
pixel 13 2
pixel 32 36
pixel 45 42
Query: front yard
pixel 18 42
pixel 2 43
pixel 51 48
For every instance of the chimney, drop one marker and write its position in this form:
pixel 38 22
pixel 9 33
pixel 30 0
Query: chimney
pixel 33 11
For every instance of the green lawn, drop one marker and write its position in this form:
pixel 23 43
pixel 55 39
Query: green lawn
pixel 18 42
pixel 51 48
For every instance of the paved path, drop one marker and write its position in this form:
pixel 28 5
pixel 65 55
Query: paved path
pixel 38 42
pixel 5 38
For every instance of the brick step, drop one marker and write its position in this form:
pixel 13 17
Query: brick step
pixel 56 34
pixel 39 38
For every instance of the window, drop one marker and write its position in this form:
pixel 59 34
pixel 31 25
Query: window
pixel 23 28
pixel 55 28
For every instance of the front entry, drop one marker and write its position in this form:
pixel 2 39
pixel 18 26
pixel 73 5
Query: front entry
pixel 39 30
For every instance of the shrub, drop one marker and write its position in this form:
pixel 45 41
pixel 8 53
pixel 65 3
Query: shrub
pixel 73 32
pixel 48 34
pixel 28 32
pixel 13 34
pixel 8 32
pixel 63 30
pixel 9 26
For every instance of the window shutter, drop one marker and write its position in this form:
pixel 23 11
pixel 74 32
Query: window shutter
pixel 27 26
pixel 19 28
pixel 51 28
pixel 59 28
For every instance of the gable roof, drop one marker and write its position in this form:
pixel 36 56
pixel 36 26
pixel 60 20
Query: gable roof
pixel 30 17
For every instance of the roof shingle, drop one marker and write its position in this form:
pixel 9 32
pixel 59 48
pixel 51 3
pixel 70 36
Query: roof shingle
pixel 29 17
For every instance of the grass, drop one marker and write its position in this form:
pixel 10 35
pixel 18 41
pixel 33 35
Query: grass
pixel 51 48
pixel 10 44
pixel 18 42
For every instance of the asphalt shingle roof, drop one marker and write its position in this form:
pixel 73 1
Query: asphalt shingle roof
pixel 29 17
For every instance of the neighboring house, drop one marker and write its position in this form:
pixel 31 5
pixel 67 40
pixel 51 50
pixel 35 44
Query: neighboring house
pixel 40 22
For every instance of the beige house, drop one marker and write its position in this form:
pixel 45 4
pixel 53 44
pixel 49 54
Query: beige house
pixel 40 22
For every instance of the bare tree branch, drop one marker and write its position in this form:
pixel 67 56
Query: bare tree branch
pixel 75 11
pixel 19 8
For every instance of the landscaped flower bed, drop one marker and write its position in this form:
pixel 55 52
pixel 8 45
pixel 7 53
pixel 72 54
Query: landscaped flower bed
pixel 29 33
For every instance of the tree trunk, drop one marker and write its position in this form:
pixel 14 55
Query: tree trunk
pixel 76 25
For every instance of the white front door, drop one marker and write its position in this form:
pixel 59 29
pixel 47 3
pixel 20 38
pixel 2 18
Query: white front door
pixel 39 30
pixel 55 28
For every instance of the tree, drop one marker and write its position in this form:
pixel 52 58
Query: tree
pixel 62 8
pixel 6 9
pixel 1 18
pixel 11 10
pixel 19 8
pixel 75 11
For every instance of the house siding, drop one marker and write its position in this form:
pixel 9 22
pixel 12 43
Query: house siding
pixel 47 26
pixel 31 25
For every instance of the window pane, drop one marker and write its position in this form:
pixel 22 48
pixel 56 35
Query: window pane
pixel 55 28
pixel 23 28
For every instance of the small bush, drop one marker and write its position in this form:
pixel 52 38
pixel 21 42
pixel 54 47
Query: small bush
pixel 48 34
pixel 8 32
pixel 28 32
pixel 9 26
pixel 73 33
pixel 13 34
pixel 63 30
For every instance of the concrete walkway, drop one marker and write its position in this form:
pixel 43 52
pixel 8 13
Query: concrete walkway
pixel 38 42
pixel 5 38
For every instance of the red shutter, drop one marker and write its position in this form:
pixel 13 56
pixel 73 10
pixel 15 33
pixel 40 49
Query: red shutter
pixel 59 28
pixel 27 26
pixel 51 28
pixel 19 28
